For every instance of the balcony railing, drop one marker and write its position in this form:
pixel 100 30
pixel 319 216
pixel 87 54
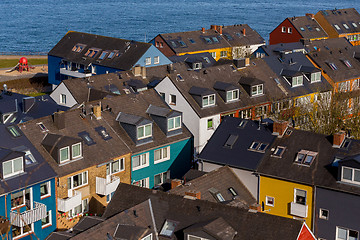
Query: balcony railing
pixel 65 204
pixel 74 73
pixel 105 187
pixel 299 210
pixel 20 219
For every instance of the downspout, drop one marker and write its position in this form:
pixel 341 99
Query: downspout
pixel 153 220
pixel 313 214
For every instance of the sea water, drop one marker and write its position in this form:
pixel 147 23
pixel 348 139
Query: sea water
pixel 37 25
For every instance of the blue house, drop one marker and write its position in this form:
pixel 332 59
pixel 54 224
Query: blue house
pixel 81 55
pixel 160 143
pixel 27 182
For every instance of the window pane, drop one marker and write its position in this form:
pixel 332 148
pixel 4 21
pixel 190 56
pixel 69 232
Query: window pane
pixel 76 150
pixel 347 173
pixel 122 164
pixel 143 159
pixel 7 168
pixel 342 233
pixel 64 154
pixel 171 123
pixel 136 161
pixel 212 100
pixel 165 152
pixel 157 154
pixel 205 101
pixel 148 130
pixel 76 180
pixel 140 132
pixel 157 179
pixel 17 199
pixel 44 189
pixel 177 122
pixel 18 165
pixel 115 167
pixel 229 95
pixel 357 176
pixel 84 180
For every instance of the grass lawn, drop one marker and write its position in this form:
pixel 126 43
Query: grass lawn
pixel 7 63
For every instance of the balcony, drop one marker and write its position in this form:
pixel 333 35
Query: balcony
pixel 298 210
pixel 106 186
pixel 20 219
pixel 75 74
pixel 65 204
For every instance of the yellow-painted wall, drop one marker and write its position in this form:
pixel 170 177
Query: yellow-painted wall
pixel 283 192
pixel 217 51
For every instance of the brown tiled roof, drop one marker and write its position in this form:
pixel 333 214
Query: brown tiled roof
pixel 251 37
pixel 308 27
pixel 221 179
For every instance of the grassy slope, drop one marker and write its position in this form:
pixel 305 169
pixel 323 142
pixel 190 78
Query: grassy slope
pixel 8 63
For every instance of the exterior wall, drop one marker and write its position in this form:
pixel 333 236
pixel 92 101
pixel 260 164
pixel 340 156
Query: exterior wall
pixel 283 193
pixel 248 178
pixel 153 52
pixel 277 36
pixel 217 51
pixel 97 203
pixel 50 202
pixel 190 118
pixel 178 164
pixel 160 44
pixel 343 210
pixel 205 133
pixel 62 89
pixel 54 70
pixel 104 70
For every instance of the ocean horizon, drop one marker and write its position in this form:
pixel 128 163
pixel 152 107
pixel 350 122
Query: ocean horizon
pixel 36 26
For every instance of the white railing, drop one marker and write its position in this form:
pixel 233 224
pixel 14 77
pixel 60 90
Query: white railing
pixel 20 219
pixel 299 210
pixel 105 187
pixel 74 73
pixel 65 204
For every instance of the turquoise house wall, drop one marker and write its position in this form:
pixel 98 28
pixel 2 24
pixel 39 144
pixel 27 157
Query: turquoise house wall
pixel 178 164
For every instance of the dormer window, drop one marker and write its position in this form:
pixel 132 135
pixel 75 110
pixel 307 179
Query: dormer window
pixel 232 95
pixel 76 150
pixel 351 175
pixel 64 154
pixel 257 90
pixel 315 77
pixel 174 123
pixel 208 100
pixel 297 81
pixel 13 167
pixel 144 131
pixel 305 157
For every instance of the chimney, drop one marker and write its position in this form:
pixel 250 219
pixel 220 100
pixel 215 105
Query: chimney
pixel 170 68
pixel 310 15
pixel 213 27
pixel 97 111
pixel 203 30
pixel 279 128
pixel 59 120
pixel 220 30
pixel 175 183
pixel 139 71
pixel 193 194
pixel 339 137
pixel 256 207
pixel 244 32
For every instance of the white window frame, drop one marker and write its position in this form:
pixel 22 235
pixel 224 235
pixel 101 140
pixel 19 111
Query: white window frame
pixel 193 236
pixel 161 178
pixel 156 60
pixel 23 197
pixel 162 158
pixel 62 98
pixel 171 102
pixel 174 126
pixel 232 92
pixel 321 214
pixel 144 132
pixel 267 202
pixel 48 185
pixel 147 237
pixel 290 30
pixel 297 81
pixel 72 151
pixel 347 232
pixel 22 232
pixel 257 90
pixel 12 167
pixel 295 194
pixel 84 183
pixel 223 54
pixel 109 166
pixel 213 54
pixel 109 197
pixel 148 61
pixel 142 183
pixel 48 214
pixel 337 27
pixel 208 97
pixel 68 158
pixel 316 77
pixel 352 175
pixel 143 161
pixel 283 29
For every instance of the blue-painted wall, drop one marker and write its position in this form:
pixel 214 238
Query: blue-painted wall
pixel 104 70
pixel 343 209
pixel 50 202
pixel 54 70
pixel 178 164
pixel 153 52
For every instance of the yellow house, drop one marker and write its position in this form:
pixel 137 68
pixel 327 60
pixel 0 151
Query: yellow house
pixel 286 199
pixel 230 42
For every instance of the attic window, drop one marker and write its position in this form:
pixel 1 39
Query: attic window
pixel 302 29
pixel 206 59
pixel 332 66
pixel 354 24
pixel 179 77
pixel 78 47
pixel 111 55
pixel 345 26
pixel 309 27
pixel 192 40
pixel 42 127
pixel 215 40
pixel 173 44
pixel 103 54
pixel 228 37
pixel 13 131
pixel 168 228
pixel 346 143
pixel 242 124
pixel 279 151
pixel 13 167
pixel 208 100
pixel 232 191
pixel 350 175
pixel 317 29
pixel 305 157
pixel 258 147
pixel 219 197
pixel 337 27
pixel 208 40
pixel 103 133
pixel 91 52
pixel 144 131
pixel 231 141
pixel 257 90
pixel 232 95
pixel 174 123
pixel 182 43
pixel 347 63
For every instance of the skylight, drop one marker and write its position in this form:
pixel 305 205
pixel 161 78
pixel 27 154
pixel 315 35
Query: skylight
pixel 231 141
pixel 42 127
pixel 180 77
pixel 337 27
pixel 332 66
pixel 302 29
pixel 347 63
pixel 345 26
pixel 206 59
pixel 317 29
pixel 192 40
pixel 309 27
pixel 279 151
pixel 228 37
pixel 78 47
pixel 103 133
pixel 182 43
pixel 168 228
pixel 208 40
pixel 258 147
pixel 232 191
pixel 111 55
pixel 103 54
pixel 219 197
pixel 215 40
pixel 242 123
pixel 13 131
pixel 305 157
pixel 173 43
pixel 354 24
pixel 86 137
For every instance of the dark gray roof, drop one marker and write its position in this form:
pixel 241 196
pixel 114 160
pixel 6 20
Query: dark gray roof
pixel 129 51
pixel 250 81
pixel 224 86
pixel 276 49
pixel 129 118
pixel 308 27
pixel 158 111
pixel 220 179
pixel 200 91
pixel 239 155
pixel 194 58
pixel 342 16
